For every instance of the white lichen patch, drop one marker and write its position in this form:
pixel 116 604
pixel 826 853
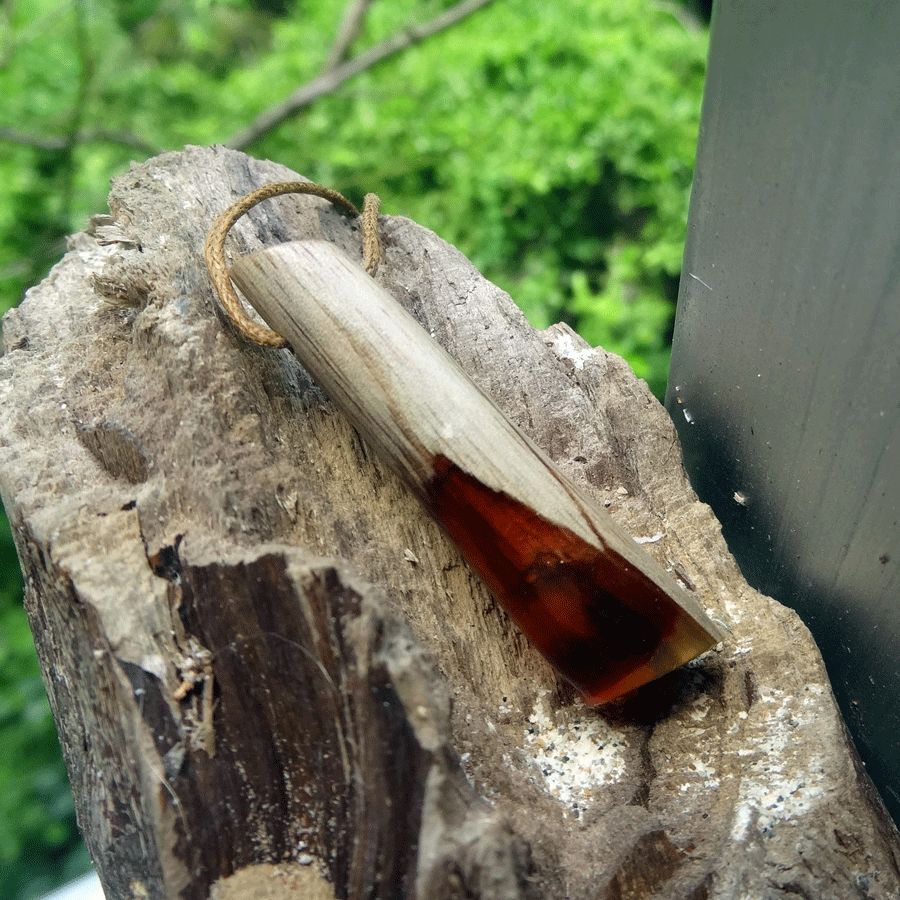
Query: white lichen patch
pixel 733 609
pixel 771 791
pixel 575 760
pixel 565 347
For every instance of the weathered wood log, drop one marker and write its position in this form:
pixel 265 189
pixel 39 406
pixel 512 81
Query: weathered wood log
pixel 269 666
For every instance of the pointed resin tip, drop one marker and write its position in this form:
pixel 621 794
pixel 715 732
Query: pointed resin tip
pixel 600 621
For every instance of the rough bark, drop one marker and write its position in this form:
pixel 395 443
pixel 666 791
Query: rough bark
pixel 271 671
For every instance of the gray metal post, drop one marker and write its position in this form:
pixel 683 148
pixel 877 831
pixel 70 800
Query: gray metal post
pixel 785 379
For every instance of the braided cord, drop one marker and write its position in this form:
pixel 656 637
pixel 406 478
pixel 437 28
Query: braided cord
pixel 214 248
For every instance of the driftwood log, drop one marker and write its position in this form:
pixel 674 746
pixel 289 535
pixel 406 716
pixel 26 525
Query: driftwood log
pixel 273 676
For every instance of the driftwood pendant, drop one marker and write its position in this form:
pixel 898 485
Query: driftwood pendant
pixel 600 609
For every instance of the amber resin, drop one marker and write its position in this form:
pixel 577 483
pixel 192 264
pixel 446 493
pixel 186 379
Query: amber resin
pixel 602 623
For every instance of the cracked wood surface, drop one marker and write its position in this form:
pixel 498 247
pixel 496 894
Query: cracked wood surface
pixel 264 659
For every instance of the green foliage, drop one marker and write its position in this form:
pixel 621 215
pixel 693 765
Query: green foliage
pixel 553 143
pixel 549 151
pixel 554 152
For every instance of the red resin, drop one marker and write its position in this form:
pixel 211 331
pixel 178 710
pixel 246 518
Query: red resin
pixel 600 622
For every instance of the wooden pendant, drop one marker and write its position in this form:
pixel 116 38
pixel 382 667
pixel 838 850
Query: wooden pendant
pixel 599 608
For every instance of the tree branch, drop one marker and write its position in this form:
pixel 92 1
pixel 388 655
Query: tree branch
pixel 351 25
pixel 682 15
pixel 83 89
pixel 83 136
pixel 330 81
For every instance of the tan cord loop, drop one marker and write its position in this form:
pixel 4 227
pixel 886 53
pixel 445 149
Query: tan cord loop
pixel 371 243
pixel 214 249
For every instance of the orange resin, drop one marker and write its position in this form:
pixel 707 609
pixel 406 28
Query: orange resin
pixel 602 623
